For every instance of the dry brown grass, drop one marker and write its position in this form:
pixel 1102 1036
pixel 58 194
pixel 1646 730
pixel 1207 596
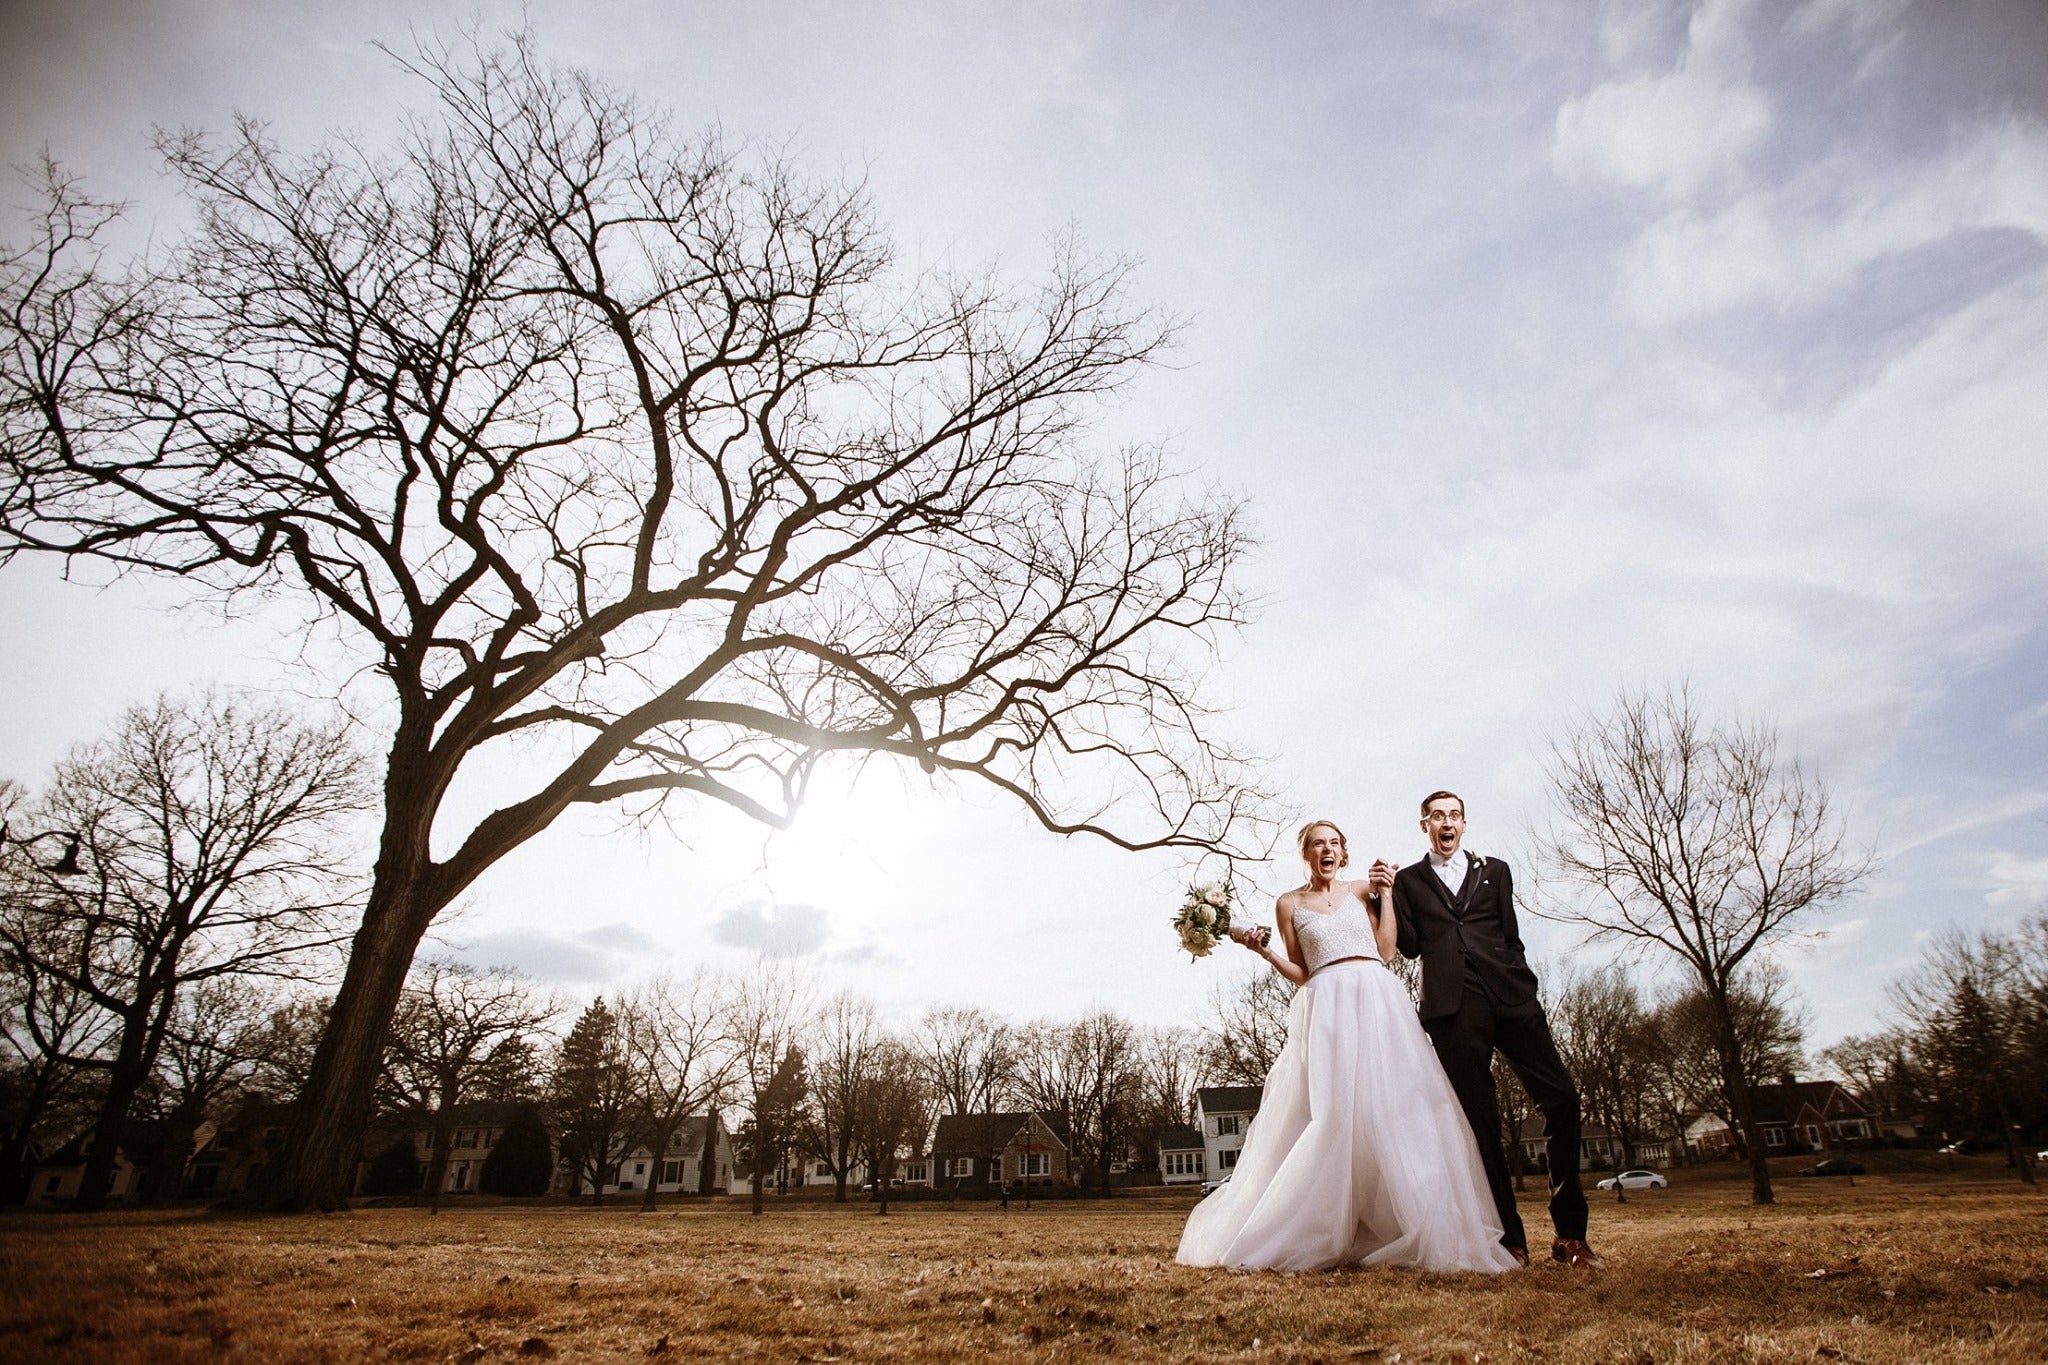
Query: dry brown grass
pixel 1899 1268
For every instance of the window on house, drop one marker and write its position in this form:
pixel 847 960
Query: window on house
pixel 824 1169
pixel 671 1172
pixel 461 1180
pixel 1774 1137
pixel 1227 1158
pixel 1038 1163
pixel 639 1168
pixel 1183 1163
pixel 957 1167
pixel 51 1186
pixel 914 1172
pixel 1226 1124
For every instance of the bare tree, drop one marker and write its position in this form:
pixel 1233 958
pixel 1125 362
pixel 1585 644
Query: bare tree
pixel 1685 1027
pixel 679 1044
pixel 210 833
pixel 1169 1067
pixel 769 1011
pixel 57 1034
pixel 1085 1070
pixel 896 1111
pixel 639 450
pixel 209 1050
pixel 1250 1028
pixel 1603 1034
pixel 968 1056
pixel 1698 840
pixel 284 1046
pixel 452 1020
pixel 840 1051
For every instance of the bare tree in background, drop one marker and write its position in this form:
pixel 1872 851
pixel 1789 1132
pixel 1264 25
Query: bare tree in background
pixel 636 450
pixel 211 848
pixel 1603 1034
pixel 1250 1027
pixel 896 1111
pixel 209 1050
pixel 679 1045
pixel 451 1020
pixel 1685 1027
pixel 1170 1065
pixel 57 1034
pixel 770 1008
pixel 968 1056
pixel 1700 840
pixel 1085 1070
pixel 840 1052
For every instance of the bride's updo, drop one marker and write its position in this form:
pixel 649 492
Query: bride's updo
pixel 1301 840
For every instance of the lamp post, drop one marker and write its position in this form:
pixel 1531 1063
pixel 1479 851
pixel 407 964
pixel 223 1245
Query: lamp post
pixel 66 865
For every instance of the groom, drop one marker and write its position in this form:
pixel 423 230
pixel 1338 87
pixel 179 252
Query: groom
pixel 1456 911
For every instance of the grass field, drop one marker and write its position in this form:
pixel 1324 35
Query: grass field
pixel 1905 1266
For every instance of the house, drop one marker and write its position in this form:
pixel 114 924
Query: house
pixel 1794 1116
pixel 999 1150
pixel 1599 1149
pixel 57 1177
pixel 1182 1156
pixel 235 1155
pixel 680 1168
pixel 474 1129
pixel 1223 1113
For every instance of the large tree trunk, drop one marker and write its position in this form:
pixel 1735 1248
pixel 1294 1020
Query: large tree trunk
pixel 1736 1082
pixel 2021 1159
pixel 132 1061
pixel 322 1143
pixel 658 1142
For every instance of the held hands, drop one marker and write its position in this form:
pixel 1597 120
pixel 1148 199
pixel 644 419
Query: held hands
pixel 1381 878
pixel 1255 938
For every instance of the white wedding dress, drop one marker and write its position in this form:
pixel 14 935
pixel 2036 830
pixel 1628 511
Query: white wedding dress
pixel 1360 1154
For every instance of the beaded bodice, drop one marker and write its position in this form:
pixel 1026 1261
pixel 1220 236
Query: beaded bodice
pixel 1325 936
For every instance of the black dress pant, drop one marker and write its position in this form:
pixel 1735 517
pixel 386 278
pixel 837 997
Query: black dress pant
pixel 1465 1044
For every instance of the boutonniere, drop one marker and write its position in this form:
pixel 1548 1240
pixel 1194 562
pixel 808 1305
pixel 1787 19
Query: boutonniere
pixel 1477 861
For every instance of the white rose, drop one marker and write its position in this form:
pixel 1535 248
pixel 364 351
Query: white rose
pixel 1216 895
pixel 1205 916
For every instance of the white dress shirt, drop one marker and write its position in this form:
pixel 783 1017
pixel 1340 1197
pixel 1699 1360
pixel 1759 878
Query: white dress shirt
pixel 1451 870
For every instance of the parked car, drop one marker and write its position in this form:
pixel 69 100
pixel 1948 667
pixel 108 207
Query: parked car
pixel 1834 1165
pixel 1210 1187
pixel 1634 1180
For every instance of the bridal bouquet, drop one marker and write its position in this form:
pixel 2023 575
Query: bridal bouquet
pixel 1204 919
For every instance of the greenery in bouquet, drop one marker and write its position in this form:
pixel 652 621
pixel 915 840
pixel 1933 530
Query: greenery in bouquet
pixel 1204 918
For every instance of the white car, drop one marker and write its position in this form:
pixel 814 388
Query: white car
pixel 1210 1187
pixel 1634 1180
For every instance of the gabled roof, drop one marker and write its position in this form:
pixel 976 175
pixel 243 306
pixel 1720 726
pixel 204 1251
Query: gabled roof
pixel 982 1133
pixel 1181 1140
pixel 1229 1099
pixel 1784 1101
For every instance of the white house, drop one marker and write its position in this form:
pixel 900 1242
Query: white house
pixel 1222 1114
pixel 679 1170
pixel 1183 1156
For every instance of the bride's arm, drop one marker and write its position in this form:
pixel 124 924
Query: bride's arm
pixel 1289 966
pixel 1379 910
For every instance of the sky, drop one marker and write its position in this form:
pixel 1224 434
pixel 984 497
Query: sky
pixel 1556 348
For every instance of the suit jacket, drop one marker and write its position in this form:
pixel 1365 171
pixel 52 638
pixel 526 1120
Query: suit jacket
pixel 1474 931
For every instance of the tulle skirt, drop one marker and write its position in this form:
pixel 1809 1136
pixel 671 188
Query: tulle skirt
pixel 1359 1155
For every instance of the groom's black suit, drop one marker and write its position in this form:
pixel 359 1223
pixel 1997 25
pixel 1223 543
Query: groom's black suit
pixel 1478 994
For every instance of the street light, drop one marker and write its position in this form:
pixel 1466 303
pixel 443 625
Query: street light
pixel 67 865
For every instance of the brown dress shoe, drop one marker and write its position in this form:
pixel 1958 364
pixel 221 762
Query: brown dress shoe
pixel 1521 1255
pixel 1573 1251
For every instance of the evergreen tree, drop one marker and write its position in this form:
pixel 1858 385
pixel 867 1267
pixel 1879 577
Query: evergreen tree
pixel 395 1170
pixel 522 1165
pixel 590 1097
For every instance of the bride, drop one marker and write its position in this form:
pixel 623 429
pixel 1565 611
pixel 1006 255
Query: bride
pixel 1360 1154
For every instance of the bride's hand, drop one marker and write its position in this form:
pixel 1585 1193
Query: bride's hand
pixel 1255 938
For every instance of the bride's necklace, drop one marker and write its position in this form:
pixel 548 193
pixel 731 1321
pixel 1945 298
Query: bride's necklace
pixel 1322 901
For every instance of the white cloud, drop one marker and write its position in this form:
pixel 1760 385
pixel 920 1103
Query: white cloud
pixel 2018 881
pixel 1802 242
pixel 1672 132
pixel 775 929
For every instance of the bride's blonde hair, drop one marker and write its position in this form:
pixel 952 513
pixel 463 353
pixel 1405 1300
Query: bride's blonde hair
pixel 1301 840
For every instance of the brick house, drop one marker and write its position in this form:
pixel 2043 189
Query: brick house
pixel 983 1150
